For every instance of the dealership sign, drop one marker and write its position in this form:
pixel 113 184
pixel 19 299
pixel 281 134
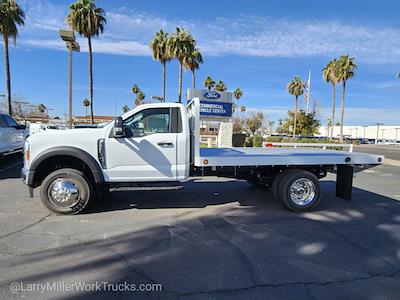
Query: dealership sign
pixel 212 103
pixel 212 95
pixel 215 109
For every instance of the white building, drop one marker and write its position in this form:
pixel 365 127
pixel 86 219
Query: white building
pixel 370 132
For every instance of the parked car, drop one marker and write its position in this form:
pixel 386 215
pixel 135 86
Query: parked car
pixel 12 135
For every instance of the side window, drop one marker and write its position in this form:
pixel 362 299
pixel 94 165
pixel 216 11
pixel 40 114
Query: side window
pixel 10 122
pixel 149 121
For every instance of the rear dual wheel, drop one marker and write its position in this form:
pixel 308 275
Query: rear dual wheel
pixel 299 190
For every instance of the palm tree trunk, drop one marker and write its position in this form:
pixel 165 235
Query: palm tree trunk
pixel 333 111
pixel 8 79
pixel 342 117
pixel 180 84
pixel 163 81
pixel 90 80
pixel 295 117
pixel 86 113
pixel 193 79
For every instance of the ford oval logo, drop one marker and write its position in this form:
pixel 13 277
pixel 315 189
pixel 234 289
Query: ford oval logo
pixel 211 95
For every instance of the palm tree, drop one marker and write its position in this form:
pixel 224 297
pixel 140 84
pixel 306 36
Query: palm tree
pixel 296 88
pixel 139 95
pixel 220 86
pixel 346 71
pixel 42 108
pixel 125 108
pixel 180 45
pixel 85 103
pixel 139 98
pixel 237 93
pixel 331 75
pixel 159 48
pixel 271 125
pixel 242 109
pixel 11 15
pixel 135 89
pixel 192 62
pixel 89 21
pixel 209 83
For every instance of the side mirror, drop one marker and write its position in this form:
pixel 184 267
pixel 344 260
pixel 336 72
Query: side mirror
pixel 119 131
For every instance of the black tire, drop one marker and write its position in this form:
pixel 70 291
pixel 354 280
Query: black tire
pixel 275 185
pixel 289 177
pixel 79 180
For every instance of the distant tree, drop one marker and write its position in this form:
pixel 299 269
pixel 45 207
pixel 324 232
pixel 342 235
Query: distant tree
pixel 42 109
pixel 139 98
pixel 237 93
pixel 135 89
pixel 86 104
pixel 238 124
pixel 330 74
pixel 306 125
pixel 220 86
pixel 89 21
pixel 11 16
pixel 209 83
pixel 255 122
pixel 296 88
pixel 192 62
pixel 159 47
pixel 347 68
pixel 271 126
pixel 139 95
pixel 181 45
pixel 125 108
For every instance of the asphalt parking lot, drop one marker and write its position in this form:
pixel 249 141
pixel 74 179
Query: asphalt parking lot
pixel 215 239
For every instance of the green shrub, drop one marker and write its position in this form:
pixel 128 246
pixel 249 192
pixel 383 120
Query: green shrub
pixel 257 141
pixel 238 139
pixel 248 142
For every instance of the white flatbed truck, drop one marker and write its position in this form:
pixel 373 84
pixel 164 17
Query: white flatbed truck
pixel 157 147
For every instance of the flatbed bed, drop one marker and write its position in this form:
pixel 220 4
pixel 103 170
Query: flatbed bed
pixel 241 156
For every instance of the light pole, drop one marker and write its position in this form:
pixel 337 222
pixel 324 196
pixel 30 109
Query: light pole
pixel 383 131
pixel 356 128
pixel 364 126
pixel 159 98
pixel 72 45
pixel 377 132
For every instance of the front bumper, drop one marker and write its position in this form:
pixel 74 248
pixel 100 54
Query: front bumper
pixel 26 175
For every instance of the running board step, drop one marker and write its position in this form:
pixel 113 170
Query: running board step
pixel 144 187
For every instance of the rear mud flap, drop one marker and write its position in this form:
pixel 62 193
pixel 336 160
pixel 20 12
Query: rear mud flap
pixel 344 182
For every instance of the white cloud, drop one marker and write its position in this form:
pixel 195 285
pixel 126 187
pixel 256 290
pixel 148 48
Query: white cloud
pixel 129 31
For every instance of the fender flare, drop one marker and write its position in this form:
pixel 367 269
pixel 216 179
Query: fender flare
pixel 67 151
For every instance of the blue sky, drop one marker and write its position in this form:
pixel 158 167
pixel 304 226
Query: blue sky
pixel 256 45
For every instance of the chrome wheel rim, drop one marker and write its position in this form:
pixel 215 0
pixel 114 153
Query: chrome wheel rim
pixel 64 192
pixel 302 191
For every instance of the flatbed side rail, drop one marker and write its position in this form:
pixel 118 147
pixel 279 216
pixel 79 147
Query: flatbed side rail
pixel 324 146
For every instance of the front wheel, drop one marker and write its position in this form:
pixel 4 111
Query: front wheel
pixel 66 191
pixel 299 190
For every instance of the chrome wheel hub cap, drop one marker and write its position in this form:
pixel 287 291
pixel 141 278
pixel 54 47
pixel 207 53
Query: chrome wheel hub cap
pixel 302 191
pixel 63 192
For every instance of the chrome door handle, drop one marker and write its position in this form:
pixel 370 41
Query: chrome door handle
pixel 165 144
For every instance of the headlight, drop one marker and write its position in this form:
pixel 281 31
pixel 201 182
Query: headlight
pixel 27 153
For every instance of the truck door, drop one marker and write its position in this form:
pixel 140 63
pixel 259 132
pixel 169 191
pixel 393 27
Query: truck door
pixel 148 152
